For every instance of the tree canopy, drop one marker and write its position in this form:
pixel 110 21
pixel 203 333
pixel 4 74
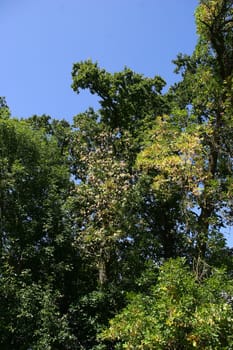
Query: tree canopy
pixel 112 227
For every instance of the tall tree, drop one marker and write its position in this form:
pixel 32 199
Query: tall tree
pixel 105 148
pixel 103 182
pixel 34 183
pixel 129 105
pixel 191 149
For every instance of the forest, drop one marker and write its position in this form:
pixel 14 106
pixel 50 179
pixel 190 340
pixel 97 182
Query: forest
pixel 112 227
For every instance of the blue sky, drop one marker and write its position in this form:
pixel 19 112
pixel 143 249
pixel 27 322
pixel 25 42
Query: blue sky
pixel 41 39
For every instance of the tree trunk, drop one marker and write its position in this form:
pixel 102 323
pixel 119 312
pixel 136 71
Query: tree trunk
pixel 102 272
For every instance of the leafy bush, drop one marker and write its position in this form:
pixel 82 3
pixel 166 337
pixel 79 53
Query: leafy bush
pixel 182 311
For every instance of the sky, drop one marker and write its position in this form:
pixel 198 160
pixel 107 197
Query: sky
pixel 42 39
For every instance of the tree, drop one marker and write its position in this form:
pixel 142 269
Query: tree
pixel 129 101
pixel 99 197
pixel 190 150
pixel 129 105
pixel 106 205
pixel 4 109
pixel 182 311
pixel 214 25
pixel 35 257
pixel 92 212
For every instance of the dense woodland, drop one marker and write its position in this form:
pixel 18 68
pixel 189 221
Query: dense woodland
pixel 112 228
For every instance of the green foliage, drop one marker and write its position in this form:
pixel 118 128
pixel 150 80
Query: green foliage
pixel 128 100
pixel 179 312
pixel 92 212
pixel 4 109
pixel 214 24
pixel 190 149
pixel 34 182
pixel 30 316
pixel 101 198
